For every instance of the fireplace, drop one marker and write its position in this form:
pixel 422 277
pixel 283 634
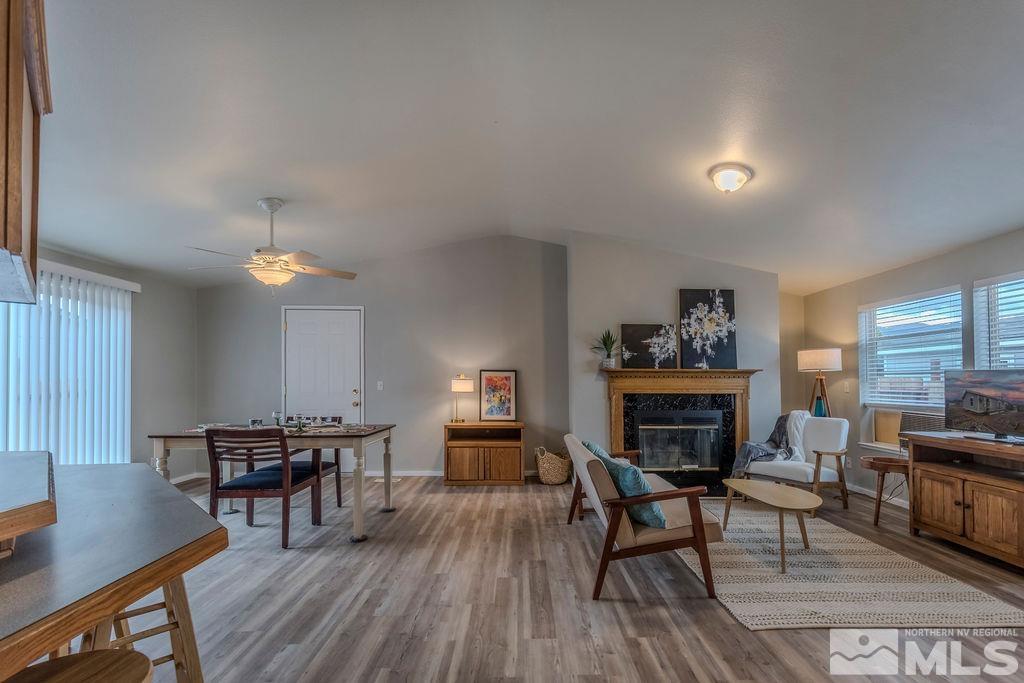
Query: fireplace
pixel 679 440
pixel 687 423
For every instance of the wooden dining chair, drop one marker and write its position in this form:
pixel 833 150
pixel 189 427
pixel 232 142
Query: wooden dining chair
pixel 327 467
pixel 252 446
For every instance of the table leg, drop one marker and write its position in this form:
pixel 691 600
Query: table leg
pixel 183 639
pixel 358 476
pixel 879 490
pixel 388 507
pixel 803 529
pixel 782 540
pixel 728 505
pixel 160 455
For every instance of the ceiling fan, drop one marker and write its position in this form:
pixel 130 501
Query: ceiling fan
pixel 272 265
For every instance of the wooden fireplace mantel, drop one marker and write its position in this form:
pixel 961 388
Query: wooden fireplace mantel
pixel 677 381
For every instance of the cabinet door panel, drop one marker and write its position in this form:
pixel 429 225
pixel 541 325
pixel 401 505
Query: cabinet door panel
pixel 993 516
pixel 938 501
pixel 464 464
pixel 503 464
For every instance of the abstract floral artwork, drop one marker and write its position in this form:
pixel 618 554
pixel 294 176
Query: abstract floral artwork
pixel 498 395
pixel 707 328
pixel 649 345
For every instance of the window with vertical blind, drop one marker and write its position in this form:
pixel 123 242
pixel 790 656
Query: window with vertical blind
pixel 906 345
pixel 999 323
pixel 65 379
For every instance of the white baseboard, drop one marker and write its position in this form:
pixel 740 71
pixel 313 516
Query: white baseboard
pixel 898 502
pixel 402 473
pixel 189 477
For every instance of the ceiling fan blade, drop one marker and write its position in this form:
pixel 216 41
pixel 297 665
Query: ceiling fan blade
pixel 233 265
pixel 300 257
pixel 220 253
pixel 326 272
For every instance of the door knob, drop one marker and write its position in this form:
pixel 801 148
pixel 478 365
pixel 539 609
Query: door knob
pixel 355 404
pixel 355 391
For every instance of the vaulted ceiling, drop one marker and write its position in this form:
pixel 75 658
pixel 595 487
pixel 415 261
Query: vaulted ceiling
pixel 880 131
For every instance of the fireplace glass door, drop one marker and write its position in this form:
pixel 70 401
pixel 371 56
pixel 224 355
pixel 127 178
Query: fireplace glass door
pixel 672 441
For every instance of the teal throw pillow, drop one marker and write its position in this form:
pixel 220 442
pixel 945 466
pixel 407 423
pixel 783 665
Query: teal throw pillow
pixel 629 481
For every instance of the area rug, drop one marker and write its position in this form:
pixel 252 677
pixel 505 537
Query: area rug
pixel 843 581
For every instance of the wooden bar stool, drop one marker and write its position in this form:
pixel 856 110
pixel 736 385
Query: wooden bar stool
pixel 884 465
pixel 101 666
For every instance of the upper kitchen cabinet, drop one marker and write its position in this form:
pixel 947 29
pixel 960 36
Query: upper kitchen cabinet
pixel 25 84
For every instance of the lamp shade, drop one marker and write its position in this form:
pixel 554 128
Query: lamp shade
pixel 462 384
pixel 819 360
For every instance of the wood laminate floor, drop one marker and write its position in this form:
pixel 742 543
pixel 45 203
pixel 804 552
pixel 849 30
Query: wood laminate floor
pixel 488 583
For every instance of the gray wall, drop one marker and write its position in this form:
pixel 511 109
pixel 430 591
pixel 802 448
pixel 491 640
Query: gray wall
pixel 612 282
pixel 830 316
pixel 163 356
pixel 496 302
pixel 795 387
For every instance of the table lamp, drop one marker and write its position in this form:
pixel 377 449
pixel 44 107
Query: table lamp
pixel 460 385
pixel 819 361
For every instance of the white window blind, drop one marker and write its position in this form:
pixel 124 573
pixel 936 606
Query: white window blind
pixel 65 379
pixel 999 323
pixel 906 345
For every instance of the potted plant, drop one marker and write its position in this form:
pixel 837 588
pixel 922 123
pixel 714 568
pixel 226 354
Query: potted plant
pixel 606 345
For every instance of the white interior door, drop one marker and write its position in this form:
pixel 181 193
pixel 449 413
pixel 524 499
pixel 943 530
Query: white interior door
pixel 323 362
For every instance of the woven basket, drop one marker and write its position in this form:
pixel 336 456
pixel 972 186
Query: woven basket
pixel 553 468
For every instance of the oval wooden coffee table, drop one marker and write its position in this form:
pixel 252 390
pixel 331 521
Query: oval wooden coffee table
pixel 782 498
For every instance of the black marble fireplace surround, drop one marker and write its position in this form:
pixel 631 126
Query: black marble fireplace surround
pixel 634 404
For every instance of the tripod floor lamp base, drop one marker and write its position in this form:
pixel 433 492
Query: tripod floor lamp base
pixel 819 405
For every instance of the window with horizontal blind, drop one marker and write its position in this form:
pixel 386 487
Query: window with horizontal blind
pixel 65 376
pixel 906 345
pixel 999 323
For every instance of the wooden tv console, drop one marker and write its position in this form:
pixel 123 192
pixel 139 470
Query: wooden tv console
pixel 968 491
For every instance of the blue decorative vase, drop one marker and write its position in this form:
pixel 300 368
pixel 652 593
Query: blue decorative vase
pixel 819 407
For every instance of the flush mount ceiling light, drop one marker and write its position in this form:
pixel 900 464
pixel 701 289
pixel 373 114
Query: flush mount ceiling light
pixel 729 177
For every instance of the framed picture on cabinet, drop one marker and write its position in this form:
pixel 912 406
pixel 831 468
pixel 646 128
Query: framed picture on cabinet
pixel 497 395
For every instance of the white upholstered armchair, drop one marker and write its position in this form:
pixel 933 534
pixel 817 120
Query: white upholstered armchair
pixel 819 443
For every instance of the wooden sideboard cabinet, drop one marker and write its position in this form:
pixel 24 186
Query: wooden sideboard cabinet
pixel 968 491
pixel 483 453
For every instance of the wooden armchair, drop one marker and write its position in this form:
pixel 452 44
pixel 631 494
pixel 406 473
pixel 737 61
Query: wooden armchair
pixel 327 467
pixel 688 524
pixel 822 437
pixel 251 446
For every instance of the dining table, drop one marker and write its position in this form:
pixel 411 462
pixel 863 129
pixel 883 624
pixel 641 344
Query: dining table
pixel 329 436
pixel 122 532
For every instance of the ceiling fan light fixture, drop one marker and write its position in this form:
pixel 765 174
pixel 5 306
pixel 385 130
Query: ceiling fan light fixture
pixel 274 276
pixel 730 176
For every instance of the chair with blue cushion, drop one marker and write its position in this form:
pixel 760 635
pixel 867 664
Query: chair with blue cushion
pixel 327 467
pixel 253 446
pixel 663 519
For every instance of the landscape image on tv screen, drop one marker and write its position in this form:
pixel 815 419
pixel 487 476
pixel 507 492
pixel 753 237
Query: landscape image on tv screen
pixel 985 401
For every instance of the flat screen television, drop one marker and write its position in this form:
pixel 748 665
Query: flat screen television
pixel 988 401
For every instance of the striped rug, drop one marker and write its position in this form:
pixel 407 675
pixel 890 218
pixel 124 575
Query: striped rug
pixel 843 581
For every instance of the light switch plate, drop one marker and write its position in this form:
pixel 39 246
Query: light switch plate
pixel 380 385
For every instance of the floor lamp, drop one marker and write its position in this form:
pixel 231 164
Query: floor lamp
pixel 819 361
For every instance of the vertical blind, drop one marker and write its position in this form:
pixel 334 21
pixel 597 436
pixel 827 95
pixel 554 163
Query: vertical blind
pixel 65 380
pixel 906 345
pixel 999 323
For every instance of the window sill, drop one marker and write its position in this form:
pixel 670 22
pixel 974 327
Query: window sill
pixel 881 447
pixel 906 408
